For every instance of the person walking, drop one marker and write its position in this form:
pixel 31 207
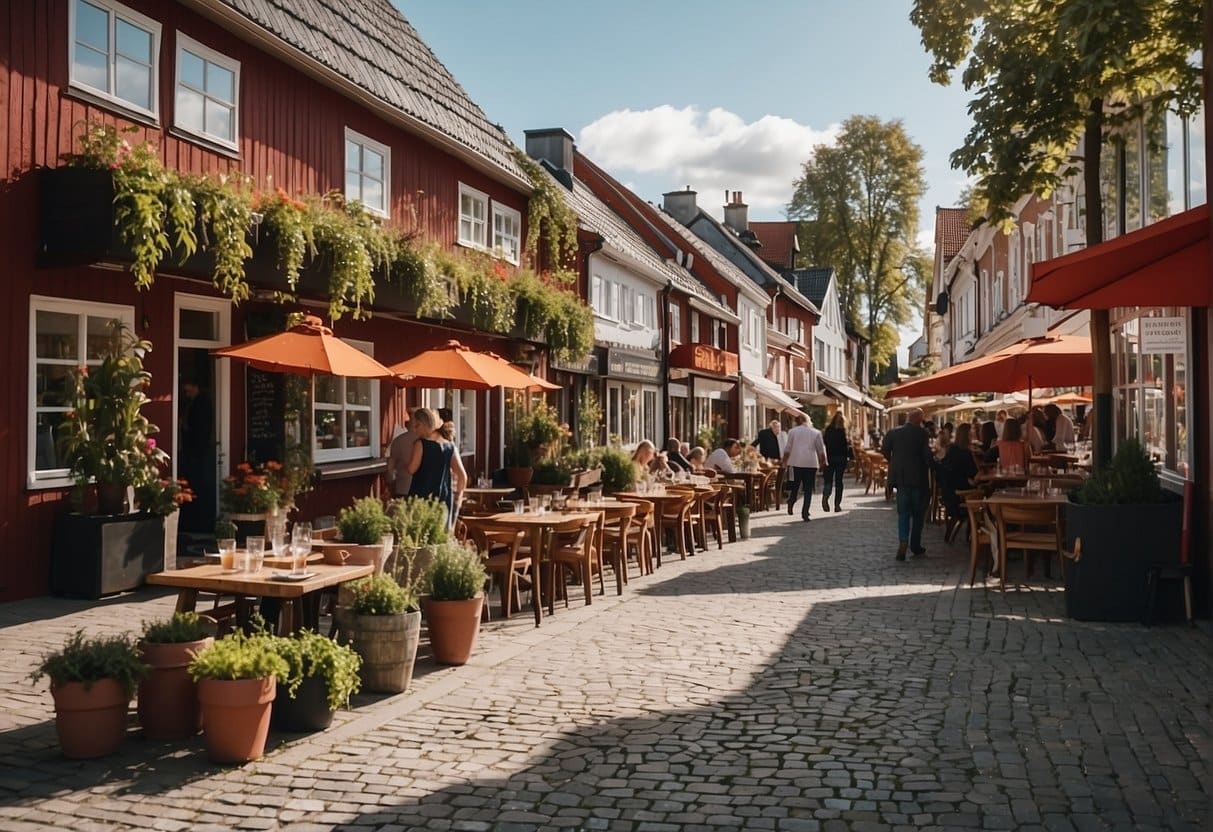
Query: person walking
pixel 838 453
pixel 770 441
pixel 435 463
pixel 400 454
pixel 804 453
pixel 909 454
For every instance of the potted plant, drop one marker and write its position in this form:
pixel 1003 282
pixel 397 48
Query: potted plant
pixel 518 463
pixel 452 610
pixel 1124 521
pixel 92 682
pixel 162 497
pixel 551 476
pixel 168 697
pixel 419 525
pixel 250 494
pixel 618 470
pixel 743 522
pixel 383 625
pixel 109 447
pixel 237 680
pixel 321 677
pixel 362 529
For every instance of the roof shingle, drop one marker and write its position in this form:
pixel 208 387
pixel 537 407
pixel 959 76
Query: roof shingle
pixel 951 230
pixel 778 242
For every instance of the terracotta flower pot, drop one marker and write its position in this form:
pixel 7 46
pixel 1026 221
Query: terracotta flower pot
pixel 168 697
pixel 90 723
pixel 236 717
pixel 453 627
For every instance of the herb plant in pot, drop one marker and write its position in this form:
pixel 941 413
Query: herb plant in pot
pixel 1118 523
pixel 363 527
pixel 92 682
pixel 419 524
pixel 321 677
pixel 452 610
pixel 383 625
pixel 518 464
pixel 743 522
pixel 237 680
pixel 168 697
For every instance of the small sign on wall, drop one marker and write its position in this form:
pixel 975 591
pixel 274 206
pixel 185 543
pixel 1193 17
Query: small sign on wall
pixel 1164 335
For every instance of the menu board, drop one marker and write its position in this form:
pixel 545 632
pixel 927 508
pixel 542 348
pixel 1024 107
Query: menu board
pixel 265 404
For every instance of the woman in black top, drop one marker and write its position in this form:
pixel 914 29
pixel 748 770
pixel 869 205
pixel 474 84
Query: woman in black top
pixel 838 451
pixel 955 472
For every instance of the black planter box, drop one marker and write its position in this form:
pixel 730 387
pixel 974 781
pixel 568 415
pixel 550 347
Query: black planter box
pixel 94 556
pixel 1119 543
pixel 307 712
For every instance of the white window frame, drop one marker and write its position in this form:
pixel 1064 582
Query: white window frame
pixel 367 143
pixel 59 477
pixel 694 327
pixel 463 414
pixel 675 324
pixel 115 12
pixel 483 223
pixel 507 254
pixel 371 449
pixel 187 44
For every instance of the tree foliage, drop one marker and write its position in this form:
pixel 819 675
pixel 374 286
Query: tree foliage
pixel 1037 68
pixel 858 199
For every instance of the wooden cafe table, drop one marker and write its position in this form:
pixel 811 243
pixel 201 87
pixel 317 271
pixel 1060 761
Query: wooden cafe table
pixel 213 578
pixel 538 527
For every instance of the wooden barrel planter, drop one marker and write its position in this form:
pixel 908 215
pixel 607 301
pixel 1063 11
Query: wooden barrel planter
pixel 388 646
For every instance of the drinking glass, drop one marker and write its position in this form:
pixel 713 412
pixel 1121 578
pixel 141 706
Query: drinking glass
pixel 254 557
pixel 301 533
pixel 227 553
pixel 299 555
pixel 388 542
pixel 519 506
pixel 533 502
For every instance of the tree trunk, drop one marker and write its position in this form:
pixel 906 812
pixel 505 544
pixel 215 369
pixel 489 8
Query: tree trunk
pixel 1101 328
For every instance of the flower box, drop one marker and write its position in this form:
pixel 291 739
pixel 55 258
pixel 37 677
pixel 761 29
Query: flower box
pixel 93 556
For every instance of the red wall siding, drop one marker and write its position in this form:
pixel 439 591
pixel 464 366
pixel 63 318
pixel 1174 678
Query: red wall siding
pixel 291 135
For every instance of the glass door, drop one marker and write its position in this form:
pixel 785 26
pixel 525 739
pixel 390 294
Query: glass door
pixel 200 406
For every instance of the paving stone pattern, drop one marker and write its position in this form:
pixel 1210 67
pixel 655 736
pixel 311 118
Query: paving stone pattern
pixel 802 680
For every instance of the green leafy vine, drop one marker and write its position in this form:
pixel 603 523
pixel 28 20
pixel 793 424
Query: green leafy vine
pixel 549 217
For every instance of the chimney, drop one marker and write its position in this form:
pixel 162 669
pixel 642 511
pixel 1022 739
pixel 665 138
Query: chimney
pixel 737 214
pixel 553 145
pixel 681 205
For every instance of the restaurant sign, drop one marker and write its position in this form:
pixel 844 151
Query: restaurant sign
pixel 704 358
pixel 622 364
pixel 1164 335
pixel 587 365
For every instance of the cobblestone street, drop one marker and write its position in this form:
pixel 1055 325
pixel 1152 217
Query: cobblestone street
pixel 803 680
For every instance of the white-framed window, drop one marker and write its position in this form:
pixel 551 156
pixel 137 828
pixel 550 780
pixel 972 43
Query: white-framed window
pixel 612 300
pixel 207 94
pixel 1014 260
pixel 507 232
pixel 675 323
pixel 999 284
pixel 694 327
pixel 473 217
pixel 64 334
pixel 627 305
pixel 368 172
pixel 345 420
pixel 648 305
pixel 718 335
pixel 114 54
pixel 597 294
pixel 632 413
pixel 462 404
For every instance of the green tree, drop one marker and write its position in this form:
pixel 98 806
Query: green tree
pixel 1044 73
pixel 858 199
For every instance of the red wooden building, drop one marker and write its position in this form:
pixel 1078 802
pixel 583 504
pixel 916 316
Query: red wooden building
pixel 304 96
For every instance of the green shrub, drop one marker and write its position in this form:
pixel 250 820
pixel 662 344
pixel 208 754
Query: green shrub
pixel 456 574
pixel 310 654
pixel 555 472
pixel 91 660
pixel 364 523
pixel 381 595
pixel 239 656
pixel 618 470
pixel 743 512
pixel 418 521
pixel 182 628
pixel 1130 478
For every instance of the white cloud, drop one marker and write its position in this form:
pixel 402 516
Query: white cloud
pixel 712 152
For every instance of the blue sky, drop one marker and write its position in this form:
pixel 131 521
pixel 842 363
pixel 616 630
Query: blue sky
pixel 720 96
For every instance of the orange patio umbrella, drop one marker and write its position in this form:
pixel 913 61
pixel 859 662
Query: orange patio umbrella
pixel 307 349
pixel 456 366
pixel 1065 399
pixel 1063 361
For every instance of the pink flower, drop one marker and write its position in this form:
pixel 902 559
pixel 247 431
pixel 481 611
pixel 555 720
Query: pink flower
pixel 151 443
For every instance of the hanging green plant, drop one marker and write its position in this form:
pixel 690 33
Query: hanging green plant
pixel 225 214
pixel 288 222
pixel 549 216
pixel 350 258
pixel 416 272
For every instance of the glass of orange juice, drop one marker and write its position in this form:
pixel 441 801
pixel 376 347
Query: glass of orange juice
pixel 227 553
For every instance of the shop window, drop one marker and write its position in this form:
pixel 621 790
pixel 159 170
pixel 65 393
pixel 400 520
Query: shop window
pixel 462 404
pixel 346 415
pixel 115 55
pixel 64 334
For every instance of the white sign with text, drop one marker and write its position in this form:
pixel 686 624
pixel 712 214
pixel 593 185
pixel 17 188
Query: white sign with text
pixel 1164 335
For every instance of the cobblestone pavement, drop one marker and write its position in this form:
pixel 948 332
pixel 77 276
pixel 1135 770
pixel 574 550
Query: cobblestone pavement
pixel 800 681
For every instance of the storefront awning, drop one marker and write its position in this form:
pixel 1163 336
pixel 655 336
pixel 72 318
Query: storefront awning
pixel 872 403
pixel 840 389
pixel 1164 264
pixel 771 393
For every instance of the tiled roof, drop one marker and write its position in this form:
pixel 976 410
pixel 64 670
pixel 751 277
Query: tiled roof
pixel 813 283
pixel 370 44
pixel 952 228
pixel 718 261
pixel 778 242
pixel 768 274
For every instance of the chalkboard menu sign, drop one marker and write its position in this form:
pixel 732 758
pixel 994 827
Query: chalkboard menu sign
pixel 264 405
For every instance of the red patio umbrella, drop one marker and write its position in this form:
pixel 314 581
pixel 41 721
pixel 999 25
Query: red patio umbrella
pixel 1063 361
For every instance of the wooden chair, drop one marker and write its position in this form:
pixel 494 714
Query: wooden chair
pixel 673 517
pixel 642 537
pixel 617 538
pixel 575 546
pixel 505 559
pixel 768 493
pixel 979 536
pixel 1031 526
pixel 694 526
pixel 714 510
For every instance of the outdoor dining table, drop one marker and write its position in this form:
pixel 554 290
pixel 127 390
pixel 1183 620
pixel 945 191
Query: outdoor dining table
pixel 538 526
pixel 1016 497
pixel 487 494
pixel 752 480
pixel 212 577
